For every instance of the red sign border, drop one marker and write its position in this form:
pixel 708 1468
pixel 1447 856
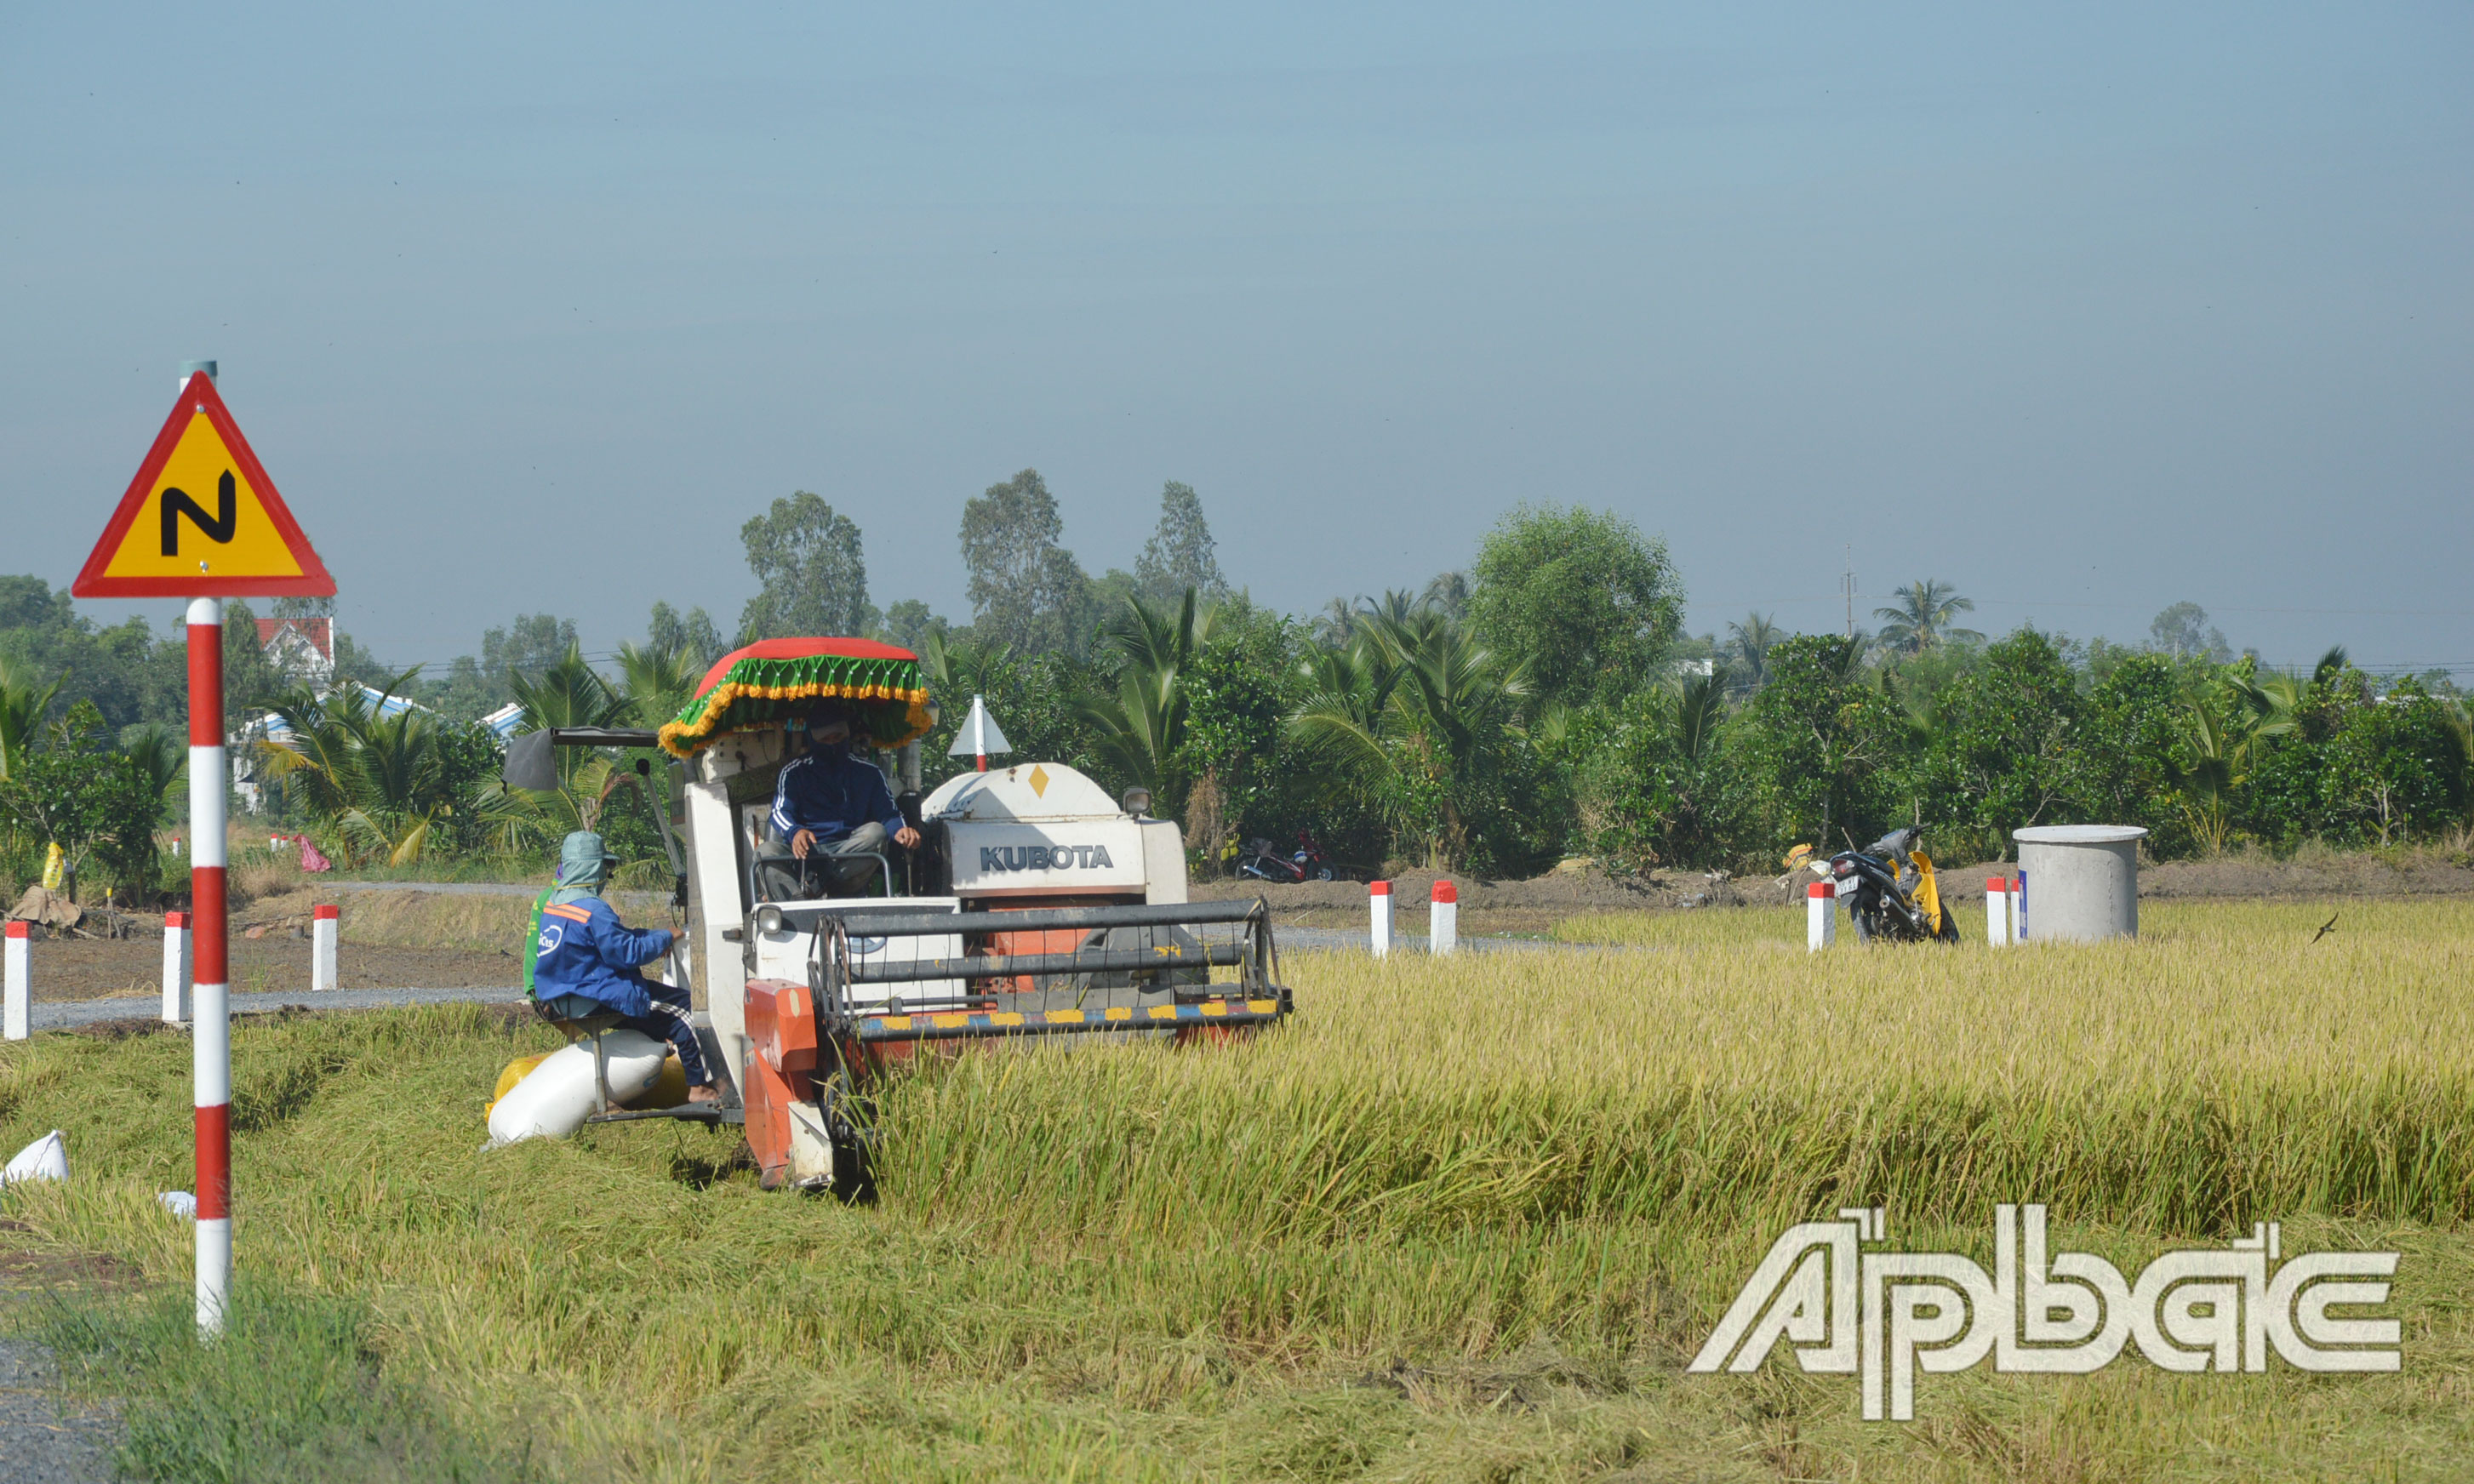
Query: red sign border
pixel 200 393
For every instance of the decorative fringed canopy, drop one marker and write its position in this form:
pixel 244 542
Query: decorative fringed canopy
pixel 766 684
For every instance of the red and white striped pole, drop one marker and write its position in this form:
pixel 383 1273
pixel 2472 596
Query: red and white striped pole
pixel 1379 907
pixel 210 1008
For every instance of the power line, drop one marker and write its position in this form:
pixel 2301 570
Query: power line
pixel 2129 607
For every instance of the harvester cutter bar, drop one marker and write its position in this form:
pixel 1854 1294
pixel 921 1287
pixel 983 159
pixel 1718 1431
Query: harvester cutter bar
pixel 1152 954
pixel 863 922
pixel 956 1025
pixel 1088 960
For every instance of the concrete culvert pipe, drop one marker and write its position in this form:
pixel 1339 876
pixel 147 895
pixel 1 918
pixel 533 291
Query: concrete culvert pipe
pixel 2082 882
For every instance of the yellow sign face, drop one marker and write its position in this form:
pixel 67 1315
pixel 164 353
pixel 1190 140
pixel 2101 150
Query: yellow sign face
pixel 201 519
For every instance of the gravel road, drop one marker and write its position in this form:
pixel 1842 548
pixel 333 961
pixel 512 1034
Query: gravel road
pixel 45 1438
pixel 61 1014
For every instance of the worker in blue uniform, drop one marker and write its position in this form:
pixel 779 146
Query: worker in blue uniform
pixel 832 811
pixel 585 957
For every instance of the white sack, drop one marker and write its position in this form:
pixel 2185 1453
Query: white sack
pixel 45 1159
pixel 180 1203
pixel 556 1097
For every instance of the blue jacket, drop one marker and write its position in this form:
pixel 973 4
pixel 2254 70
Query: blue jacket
pixel 832 794
pixel 584 949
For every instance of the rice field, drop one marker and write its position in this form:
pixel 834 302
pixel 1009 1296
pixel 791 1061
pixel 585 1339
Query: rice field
pixel 1460 1220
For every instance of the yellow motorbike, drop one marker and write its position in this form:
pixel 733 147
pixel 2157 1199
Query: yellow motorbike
pixel 1890 891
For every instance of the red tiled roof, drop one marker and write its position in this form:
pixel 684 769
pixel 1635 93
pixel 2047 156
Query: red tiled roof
pixel 320 632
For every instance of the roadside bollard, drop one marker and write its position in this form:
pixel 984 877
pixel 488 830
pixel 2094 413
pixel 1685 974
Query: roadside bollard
pixel 1996 912
pixel 13 1012
pixel 1378 905
pixel 176 968
pixel 322 948
pixel 2019 907
pixel 1820 916
pixel 1444 918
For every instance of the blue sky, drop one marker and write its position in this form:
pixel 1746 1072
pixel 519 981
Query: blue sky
pixel 2086 311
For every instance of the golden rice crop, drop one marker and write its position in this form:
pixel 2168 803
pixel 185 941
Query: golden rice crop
pixel 2220 1069
pixel 1456 1219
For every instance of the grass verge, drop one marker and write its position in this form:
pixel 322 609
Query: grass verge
pixel 292 1391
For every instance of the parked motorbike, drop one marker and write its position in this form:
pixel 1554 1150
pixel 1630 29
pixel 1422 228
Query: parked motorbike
pixel 1890 891
pixel 1307 862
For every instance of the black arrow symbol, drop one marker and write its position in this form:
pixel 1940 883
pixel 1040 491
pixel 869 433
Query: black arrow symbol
pixel 217 527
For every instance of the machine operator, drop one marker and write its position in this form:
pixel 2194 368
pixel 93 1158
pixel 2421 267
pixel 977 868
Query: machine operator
pixel 833 812
pixel 586 958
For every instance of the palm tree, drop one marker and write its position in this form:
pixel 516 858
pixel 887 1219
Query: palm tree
pixel 161 752
pixel 1140 730
pixel 377 780
pixel 22 706
pixel 1337 624
pixel 1748 645
pixel 1924 617
pixel 656 683
pixel 2283 694
pixel 569 693
pixel 1700 707
pixel 1417 714
pixel 2220 763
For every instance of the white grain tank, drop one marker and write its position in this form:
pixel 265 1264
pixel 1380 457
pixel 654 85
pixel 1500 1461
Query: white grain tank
pixel 2082 882
pixel 1044 830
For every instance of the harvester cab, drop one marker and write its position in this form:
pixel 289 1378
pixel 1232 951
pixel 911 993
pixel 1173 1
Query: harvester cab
pixel 1034 905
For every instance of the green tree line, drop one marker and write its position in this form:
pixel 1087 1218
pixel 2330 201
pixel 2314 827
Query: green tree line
pixel 1544 702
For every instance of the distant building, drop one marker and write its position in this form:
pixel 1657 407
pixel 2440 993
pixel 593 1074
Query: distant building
pixel 303 650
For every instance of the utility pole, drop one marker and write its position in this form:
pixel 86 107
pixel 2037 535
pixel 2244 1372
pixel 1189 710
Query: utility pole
pixel 1847 585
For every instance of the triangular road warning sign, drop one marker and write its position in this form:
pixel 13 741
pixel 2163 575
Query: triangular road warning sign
pixel 201 519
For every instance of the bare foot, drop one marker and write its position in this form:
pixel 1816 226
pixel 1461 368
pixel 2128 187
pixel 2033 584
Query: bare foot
pixel 705 1094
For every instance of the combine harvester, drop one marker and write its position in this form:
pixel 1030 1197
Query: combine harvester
pixel 1034 905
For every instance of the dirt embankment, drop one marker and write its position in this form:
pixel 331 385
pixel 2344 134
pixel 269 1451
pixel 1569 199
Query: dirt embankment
pixel 1517 907
pixel 389 940
pixel 436 941
pixel 1536 905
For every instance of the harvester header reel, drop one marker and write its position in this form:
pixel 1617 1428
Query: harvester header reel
pixel 1183 971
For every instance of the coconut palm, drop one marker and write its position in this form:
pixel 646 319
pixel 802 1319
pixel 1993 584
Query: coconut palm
pixel 2220 763
pixel 1748 647
pixel 375 780
pixel 1449 594
pixel 963 667
pixel 1419 715
pixel 23 704
pixel 569 693
pixel 1700 708
pixel 1924 617
pixel 2282 694
pixel 1140 729
pixel 161 752
pixel 656 683
pixel 1337 624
